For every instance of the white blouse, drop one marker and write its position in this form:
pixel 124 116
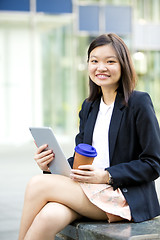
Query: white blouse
pixel 100 135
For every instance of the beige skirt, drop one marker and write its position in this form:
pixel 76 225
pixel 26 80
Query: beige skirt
pixel 110 201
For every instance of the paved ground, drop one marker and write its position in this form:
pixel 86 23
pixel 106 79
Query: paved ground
pixel 16 168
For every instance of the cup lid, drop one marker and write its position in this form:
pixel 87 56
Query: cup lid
pixel 86 150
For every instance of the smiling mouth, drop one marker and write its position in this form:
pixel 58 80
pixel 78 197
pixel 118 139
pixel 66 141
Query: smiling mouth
pixel 102 76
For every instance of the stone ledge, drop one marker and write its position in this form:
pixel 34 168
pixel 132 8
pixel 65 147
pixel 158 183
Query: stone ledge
pixel 84 230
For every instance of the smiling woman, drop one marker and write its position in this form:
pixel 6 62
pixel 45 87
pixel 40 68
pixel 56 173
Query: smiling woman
pixel 121 124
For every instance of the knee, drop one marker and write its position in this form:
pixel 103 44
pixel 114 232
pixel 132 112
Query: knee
pixel 34 186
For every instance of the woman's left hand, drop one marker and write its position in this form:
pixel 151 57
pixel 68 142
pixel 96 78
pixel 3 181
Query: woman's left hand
pixel 89 174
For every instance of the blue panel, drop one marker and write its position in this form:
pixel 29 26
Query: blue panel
pixel 89 18
pixel 14 5
pixel 54 6
pixel 118 19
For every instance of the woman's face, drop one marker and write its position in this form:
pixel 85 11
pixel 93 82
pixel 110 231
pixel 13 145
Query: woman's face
pixel 104 67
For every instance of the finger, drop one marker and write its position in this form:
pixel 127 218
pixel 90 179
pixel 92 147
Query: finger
pixel 42 148
pixel 43 158
pixel 82 173
pixel 44 165
pixel 83 167
pixel 86 167
pixel 79 178
pixel 45 154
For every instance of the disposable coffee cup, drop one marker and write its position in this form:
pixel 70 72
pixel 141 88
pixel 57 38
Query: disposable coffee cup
pixel 84 155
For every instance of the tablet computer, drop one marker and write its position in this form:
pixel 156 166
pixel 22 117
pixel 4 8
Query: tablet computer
pixel 45 135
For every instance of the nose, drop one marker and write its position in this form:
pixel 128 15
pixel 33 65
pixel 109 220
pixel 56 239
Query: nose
pixel 102 67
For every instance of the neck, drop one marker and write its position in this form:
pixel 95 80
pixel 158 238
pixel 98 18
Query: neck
pixel 109 97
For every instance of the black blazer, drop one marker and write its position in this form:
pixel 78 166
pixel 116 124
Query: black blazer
pixel 134 149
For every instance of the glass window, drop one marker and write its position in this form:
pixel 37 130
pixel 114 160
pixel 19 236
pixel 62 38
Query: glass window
pixel 148 72
pixel 58 83
pixel 147 11
pixel 38 80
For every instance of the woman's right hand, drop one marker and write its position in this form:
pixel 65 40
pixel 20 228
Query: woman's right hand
pixel 44 157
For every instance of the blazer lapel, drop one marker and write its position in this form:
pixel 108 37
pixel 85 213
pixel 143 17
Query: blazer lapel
pixel 88 133
pixel 115 123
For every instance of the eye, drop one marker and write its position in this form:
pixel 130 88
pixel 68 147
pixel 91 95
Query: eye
pixel 110 61
pixel 94 61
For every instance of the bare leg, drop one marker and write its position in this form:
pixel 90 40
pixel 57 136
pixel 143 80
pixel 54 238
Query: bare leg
pixel 54 188
pixel 51 219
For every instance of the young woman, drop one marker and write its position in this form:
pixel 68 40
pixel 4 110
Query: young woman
pixel 121 124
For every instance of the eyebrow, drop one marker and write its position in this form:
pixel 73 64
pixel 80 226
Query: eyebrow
pixel 92 56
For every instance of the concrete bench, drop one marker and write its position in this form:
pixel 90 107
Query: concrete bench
pixel 85 230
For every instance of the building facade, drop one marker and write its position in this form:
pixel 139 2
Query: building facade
pixel 43 58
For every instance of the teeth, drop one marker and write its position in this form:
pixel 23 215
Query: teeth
pixel 102 76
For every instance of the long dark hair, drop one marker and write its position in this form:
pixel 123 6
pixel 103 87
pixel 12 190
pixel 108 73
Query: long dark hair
pixel 128 74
